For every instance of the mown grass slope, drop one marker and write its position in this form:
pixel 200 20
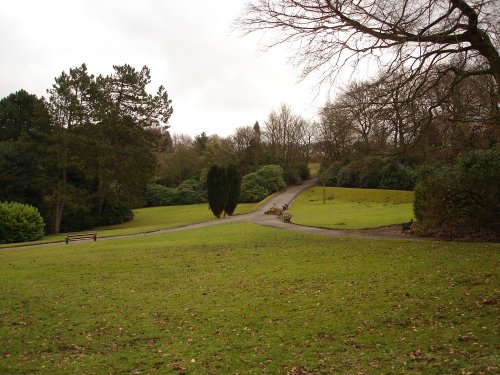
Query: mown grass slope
pixel 155 218
pixel 347 208
pixel 239 298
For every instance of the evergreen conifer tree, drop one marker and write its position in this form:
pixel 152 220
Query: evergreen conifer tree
pixel 233 189
pixel 216 189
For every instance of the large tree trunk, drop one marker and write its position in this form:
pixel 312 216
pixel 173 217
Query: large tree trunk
pixel 61 193
pixel 58 216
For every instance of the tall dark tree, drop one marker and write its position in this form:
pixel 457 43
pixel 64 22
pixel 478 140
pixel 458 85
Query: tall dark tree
pixel 70 106
pixel 129 122
pixel 200 141
pixel 25 132
pixel 233 189
pixel 106 132
pixel 217 190
pixel 23 114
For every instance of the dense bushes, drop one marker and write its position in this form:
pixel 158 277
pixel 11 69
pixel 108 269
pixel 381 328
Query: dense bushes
pixel 369 173
pixel 188 192
pixel 397 177
pixel 251 189
pixel 159 195
pixel 78 218
pixel 328 174
pixel 271 178
pixel 20 222
pixel 348 176
pixel 297 173
pixel 256 186
pixel 461 199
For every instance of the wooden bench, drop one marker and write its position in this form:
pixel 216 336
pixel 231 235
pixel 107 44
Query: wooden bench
pixel 81 237
pixel 407 226
pixel 287 218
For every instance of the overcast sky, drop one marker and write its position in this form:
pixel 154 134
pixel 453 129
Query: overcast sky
pixel 216 79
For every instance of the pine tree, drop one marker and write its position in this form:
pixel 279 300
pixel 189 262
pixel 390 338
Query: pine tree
pixel 233 189
pixel 216 189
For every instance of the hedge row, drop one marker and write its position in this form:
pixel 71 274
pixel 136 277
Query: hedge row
pixel 254 187
pixel 188 192
pixel 462 199
pixel 370 173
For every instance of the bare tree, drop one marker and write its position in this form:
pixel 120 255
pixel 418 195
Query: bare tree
pixel 334 132
pixel 286 136
pixel 425 38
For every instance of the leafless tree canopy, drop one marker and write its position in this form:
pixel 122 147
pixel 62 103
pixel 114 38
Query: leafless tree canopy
pixel 417 36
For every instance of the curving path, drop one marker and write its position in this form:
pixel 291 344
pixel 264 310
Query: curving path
pixel 259 217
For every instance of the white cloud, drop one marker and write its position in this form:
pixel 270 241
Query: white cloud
pixel 216 80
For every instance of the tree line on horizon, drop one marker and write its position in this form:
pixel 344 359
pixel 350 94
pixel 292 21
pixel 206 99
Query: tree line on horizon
pixel 100 146
pixel 82 155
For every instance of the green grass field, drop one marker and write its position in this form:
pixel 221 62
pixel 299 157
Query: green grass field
pixel 346 208
pixel 155 218
pixel 239 298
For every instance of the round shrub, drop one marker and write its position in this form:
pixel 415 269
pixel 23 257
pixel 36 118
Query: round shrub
pixel 252 189
pixel 348 176
pixel 271 178
pixel 20 222
pixel 397 177
pixel 189 192
pixel 371 173
pixel 159 195
pixel 291 175
pixel 304 172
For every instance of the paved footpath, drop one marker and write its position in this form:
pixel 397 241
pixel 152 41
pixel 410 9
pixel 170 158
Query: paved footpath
pixel 259 217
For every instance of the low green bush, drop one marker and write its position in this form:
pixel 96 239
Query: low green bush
pixel 188 192
pixel 304 172
pixel 396 176
pixel 271 178
pixel 291 175
pixel 258 185
pixel 461 199
pixel 19 223
pixel 371 173
pixel 348 176
pixel 252 189
pixel 159 195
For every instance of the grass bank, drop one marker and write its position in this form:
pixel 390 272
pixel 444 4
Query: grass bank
pixel 346 208
pixel 240 298
pixel 152 219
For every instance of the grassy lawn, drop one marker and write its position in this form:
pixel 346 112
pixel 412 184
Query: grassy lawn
pixel 239 298
pixel 346 208
pixel 155 218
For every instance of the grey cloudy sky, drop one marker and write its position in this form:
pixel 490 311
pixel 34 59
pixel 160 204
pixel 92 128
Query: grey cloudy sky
pixel 216 79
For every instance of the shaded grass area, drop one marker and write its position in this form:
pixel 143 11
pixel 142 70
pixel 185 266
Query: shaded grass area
pixel 239 298
pixel 154 218
pixel 346 208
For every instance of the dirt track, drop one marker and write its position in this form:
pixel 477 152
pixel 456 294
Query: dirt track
pixel 259 217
